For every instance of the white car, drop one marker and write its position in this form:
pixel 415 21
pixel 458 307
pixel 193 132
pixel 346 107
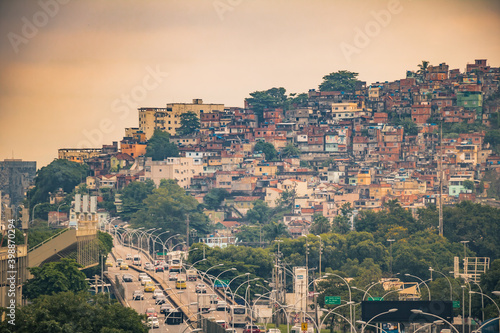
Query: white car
pixel 149 266
pixel 153 322
pixel 157 292
pixel 201 288
pixel 146 279
pixel 221 306
pixel 142 275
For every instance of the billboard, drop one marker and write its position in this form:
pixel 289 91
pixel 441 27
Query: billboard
pixel 371 310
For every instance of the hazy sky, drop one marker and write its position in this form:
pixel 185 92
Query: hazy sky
pixel 74 72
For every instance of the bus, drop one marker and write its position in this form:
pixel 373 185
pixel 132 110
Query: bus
pixel 238 315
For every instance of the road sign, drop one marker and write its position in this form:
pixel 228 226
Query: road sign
pixel 375 298
pixel 304 327
pixel 456 304
pixel 332 300
pixel 221 283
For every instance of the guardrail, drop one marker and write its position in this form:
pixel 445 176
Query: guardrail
pixel 48 239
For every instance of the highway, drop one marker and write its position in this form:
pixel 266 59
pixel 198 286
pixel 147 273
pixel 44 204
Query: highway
pixel 185 297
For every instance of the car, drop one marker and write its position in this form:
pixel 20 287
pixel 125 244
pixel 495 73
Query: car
pixel 251 329
pixel 231 330
pixel 274 330
pixel 109 264
pixel 262 328
pixel 142 275
pixel 159 269
pixel 128 257
pixel 172 276
pixel 145 280
pixel 161 300
pixel 180 284
pixel 127 278
pixel 151 312
pixel 201 288
pixel 221 306
pixel 153 322
pixel 138 295
pixel 165 308
pixel 119 261
pixel 149 266
pixel 157 292
pixel 123 267
pixel 149 287
pixel 221 322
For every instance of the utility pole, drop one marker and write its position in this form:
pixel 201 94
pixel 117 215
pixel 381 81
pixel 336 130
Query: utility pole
pixel 441 181
pixel 187 231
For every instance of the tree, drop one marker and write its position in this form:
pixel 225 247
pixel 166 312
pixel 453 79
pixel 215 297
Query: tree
pixel 423 68
pixel 290 150
pixel 260 213
pixel 267 99
pixel 320 225
pixel 132 197
pixel 55 277
pixel 267 148
pixel 468 184
pixel 214 198
pixel 59 173
pixel 76 312
pixel 339 81
pixel 167 207
pixel 275 230
pixel 300 100
pixel 190 123
pixel 159 146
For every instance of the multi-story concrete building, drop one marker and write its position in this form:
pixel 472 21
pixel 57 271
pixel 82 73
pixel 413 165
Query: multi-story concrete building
pixel 169 119
pixel 15 177
pixel 181 169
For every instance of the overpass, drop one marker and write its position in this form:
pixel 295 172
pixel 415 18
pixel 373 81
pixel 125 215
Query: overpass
pixel 79 243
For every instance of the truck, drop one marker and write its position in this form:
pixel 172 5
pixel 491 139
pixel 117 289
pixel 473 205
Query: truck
pixel 192 274
pixel 174 318
pixel 204 304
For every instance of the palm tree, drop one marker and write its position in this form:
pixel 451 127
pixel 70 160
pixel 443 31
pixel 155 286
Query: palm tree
pixel 423 68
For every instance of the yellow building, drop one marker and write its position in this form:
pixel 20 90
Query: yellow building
pixel 78 155
pixel 466 154
pixel 265 169
pixel 364 177
pixel 168 119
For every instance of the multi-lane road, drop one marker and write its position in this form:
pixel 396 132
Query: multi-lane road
pixel 185 297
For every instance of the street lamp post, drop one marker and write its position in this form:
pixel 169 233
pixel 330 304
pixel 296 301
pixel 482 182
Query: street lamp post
pixel 416 277
pixel 496 293
pixel 390 250
pixel 449 282
pixel 380 314
pixel 350 295
pixel 418 311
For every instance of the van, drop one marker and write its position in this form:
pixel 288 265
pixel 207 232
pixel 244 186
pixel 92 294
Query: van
pixel 180 284
pixel 119 262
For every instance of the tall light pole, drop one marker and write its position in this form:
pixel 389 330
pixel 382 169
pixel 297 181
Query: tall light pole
pixel 416 277
pixel 418 311
pixel 390 250
pixel 350 294
pixel 380 314
pixel 496 293
pixel 449 282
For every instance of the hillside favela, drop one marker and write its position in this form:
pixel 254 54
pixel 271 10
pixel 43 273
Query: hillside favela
pixel 353 207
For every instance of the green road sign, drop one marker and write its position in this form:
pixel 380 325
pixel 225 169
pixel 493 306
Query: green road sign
pixel 375 298
pixel 221 283
pixel 456 304
pixel 332 300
